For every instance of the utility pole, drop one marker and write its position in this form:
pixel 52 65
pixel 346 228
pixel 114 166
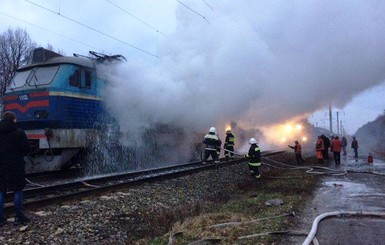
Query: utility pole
pixel 342 129
pixel 338 124
pixel 330 118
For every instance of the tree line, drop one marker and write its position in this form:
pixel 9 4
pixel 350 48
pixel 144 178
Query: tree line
pixel 15 50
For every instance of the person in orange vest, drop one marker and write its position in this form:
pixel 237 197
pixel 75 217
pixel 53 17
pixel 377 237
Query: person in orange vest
pixel 319 149
pixel 336 149
pixel 298 152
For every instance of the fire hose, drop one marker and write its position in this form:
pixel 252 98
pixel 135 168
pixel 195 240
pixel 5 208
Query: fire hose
pixel 316 221
pixel 212 149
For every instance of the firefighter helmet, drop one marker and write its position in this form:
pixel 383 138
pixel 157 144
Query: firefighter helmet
pixel 253 141
pixel 228 131
pixel 213 130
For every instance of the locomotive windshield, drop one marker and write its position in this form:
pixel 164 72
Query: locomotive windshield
pixel 20 79
pixel 34 77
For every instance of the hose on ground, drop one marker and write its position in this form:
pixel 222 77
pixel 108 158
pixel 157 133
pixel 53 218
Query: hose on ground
pixel 318 170
pixel 288 232
pixel 316 221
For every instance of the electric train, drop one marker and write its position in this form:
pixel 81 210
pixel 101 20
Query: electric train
pixel 59 102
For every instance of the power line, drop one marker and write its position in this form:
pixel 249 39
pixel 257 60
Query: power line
pixel 74 40
pixel 133 16
pixel 91 28
pixel 208 5
pixel 193 11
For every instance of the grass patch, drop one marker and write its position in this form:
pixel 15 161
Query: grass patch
pixel 228 220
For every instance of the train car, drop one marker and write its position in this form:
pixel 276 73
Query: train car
pixel 59 102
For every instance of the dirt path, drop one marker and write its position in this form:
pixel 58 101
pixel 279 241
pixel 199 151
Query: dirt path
pixel 352 192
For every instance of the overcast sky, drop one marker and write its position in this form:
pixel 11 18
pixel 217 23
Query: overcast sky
pixel 204 63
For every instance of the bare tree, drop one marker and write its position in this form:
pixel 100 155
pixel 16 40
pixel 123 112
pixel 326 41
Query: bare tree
pixel 15 51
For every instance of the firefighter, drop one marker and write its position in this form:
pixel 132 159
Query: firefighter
pixel 254 156
pixel 213 144
pixel 229 145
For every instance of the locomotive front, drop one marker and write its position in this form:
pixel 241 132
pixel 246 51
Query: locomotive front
pixel 59 103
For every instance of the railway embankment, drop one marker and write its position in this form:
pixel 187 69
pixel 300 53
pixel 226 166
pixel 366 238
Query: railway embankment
pixel 222 205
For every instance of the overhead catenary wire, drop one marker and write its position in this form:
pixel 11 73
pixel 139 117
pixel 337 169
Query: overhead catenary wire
pixel 208 5
pixel 133 16
pixel 53 32
pixel 193 10
pixel 91 28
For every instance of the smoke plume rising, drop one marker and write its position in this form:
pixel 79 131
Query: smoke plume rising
pixel 253 62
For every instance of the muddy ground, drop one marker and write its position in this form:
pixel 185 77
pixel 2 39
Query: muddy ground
pixel 350 192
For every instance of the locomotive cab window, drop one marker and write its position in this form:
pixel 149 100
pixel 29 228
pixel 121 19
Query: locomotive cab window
pixel 81 78
pixel 43 75
pixel 87 79
pixel 75 78
pixel 20 79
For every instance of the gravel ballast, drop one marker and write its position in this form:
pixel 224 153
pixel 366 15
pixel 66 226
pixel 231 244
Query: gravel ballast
pixel 132 215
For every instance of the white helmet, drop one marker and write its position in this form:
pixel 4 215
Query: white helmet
pixel 253 141
pixel 213 130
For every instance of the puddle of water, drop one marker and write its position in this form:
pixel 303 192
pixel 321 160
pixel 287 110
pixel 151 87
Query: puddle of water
pixel 348 186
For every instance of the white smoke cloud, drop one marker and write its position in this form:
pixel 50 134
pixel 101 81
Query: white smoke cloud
pixel 261 62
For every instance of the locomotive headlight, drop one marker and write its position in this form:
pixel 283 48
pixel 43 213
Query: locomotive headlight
pixel 43 114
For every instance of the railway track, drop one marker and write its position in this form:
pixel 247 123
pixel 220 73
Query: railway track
pixel 35 197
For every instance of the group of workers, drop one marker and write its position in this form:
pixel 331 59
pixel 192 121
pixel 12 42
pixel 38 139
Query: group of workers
pixel 322 148
pixel 336 146
pixel 323 144
pixel 213 149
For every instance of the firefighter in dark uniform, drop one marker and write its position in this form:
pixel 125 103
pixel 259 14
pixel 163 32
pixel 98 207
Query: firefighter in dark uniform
pixel 213 145
pixel 254 156
pixel 229 145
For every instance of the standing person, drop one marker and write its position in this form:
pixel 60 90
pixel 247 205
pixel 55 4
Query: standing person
pixel 14 146
pixel 336 148
pixel 355 146
pixel 325 152
pixel 254 156
pixel 229 145
pixel 213 143
pixel 344 144
pixel 319 148
pixel 298 152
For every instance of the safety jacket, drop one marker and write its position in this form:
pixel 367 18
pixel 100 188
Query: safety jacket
pixel 336 145
pixel 212 141
pixel 319 146
pixel 230 140
pixel 254 155
pixel 297 148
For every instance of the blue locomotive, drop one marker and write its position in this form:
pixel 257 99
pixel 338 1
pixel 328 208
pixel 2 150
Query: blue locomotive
pixel 59 103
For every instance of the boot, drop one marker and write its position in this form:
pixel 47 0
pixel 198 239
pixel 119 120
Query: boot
pixel 3 221
pixel 21 220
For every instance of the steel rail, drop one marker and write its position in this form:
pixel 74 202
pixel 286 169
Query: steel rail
pixel 82 187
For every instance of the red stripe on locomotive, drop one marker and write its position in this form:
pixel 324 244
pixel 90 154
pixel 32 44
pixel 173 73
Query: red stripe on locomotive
pixel 36 136
pixel 31 104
